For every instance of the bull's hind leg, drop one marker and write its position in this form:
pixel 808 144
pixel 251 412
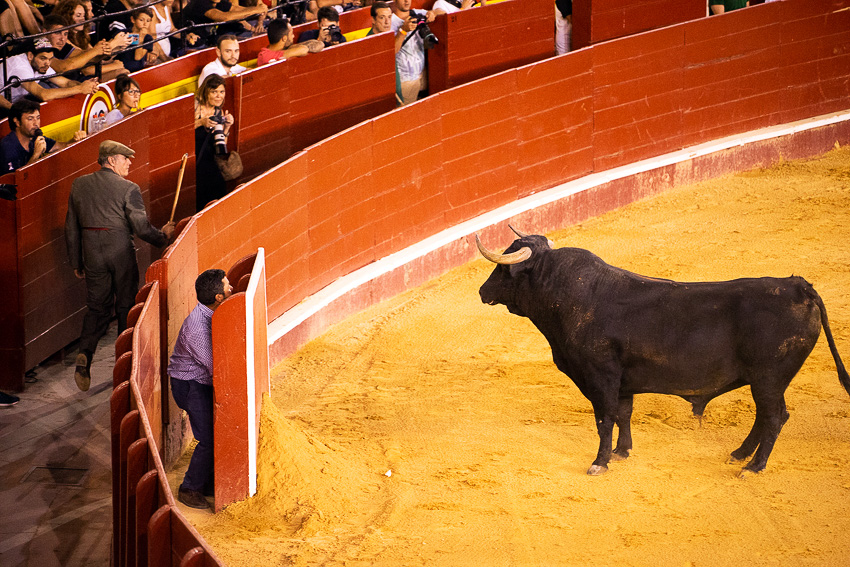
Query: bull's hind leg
pixel 624 425
pixel 775 418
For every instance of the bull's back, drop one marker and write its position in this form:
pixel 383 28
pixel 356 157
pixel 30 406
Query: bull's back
pixel 692 338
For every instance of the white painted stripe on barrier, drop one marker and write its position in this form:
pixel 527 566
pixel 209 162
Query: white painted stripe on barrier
pixel 250 293
pixel 313 304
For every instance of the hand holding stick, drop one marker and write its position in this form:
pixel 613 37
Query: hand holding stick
pixel 179 183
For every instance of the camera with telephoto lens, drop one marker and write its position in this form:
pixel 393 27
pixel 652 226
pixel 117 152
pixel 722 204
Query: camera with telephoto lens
pixel 428 37
pixel 218 134
pixel 335 34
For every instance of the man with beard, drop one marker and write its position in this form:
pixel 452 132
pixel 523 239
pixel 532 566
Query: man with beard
pixel 282 44
pixel 226 61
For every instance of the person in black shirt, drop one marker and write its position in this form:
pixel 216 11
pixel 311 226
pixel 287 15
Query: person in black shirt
pixel 326 33
pixel 209 11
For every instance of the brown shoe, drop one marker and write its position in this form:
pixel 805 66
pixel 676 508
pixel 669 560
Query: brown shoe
pixel 192 499
pixel 81 374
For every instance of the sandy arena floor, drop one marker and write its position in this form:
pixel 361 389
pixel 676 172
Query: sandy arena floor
pixel 435 430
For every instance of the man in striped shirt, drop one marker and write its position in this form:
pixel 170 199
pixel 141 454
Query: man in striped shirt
pixel 191 368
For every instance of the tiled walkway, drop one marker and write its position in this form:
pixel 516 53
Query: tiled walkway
pixel 55 468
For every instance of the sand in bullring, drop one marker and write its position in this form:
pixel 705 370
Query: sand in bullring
pixel 435 430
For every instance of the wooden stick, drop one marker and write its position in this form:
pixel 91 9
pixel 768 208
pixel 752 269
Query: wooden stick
pixel 179 183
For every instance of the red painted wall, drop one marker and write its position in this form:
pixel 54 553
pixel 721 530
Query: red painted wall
pixel 595 21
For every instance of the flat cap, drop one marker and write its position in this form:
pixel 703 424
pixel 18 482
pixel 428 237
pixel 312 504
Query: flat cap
pixel 112 148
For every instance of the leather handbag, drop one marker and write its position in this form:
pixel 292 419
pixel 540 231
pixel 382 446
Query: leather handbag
pixel 230 165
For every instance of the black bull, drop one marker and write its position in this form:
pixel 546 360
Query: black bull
pixel 617 334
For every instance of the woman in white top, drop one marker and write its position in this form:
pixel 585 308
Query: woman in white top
pixel 128 93
pixel 163 24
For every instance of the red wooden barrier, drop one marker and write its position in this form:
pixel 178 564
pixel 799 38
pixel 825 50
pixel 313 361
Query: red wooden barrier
pixel 479 42
pixel 595 21
pixel 240 378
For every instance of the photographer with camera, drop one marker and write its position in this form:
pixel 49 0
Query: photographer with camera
pixel 212 126
pixel 328 31
pixel 26 144
pixel 413 37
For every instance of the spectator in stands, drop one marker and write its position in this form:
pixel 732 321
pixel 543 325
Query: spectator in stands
pixel 209 98
pixel 382 17
pixel 409 51
pixel 226 59
pixel 105 211
pixel 313 6
pixel 328 31
pixel 452 6
pixel 17 17
pixel 143 55
pixel 209 11
pixel 563 26
pixel 190 368
pixel 35 63
pixel 128 92
pixel 115 7
pixel 723 6
pixel 282 44
pixel 69 58
pixel 25 144
pixel 74 12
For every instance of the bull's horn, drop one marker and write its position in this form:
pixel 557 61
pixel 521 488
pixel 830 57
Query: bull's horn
pixel 518 233
pixel 520 255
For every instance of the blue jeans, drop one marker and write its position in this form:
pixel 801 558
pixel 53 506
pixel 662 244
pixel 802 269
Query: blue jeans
pixel 197 400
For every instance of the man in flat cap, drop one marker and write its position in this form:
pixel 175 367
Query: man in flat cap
pixel 105 211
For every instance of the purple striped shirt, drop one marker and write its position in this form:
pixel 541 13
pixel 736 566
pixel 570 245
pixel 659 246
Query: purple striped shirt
pixel 192 357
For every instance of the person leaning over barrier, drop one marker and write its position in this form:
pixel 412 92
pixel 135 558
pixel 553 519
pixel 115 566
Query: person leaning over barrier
pixel 328 31
pixel 190 368
pixel 35 63
pixel 282 44
pixel 25 144
pixel 105 211
pixel 452 6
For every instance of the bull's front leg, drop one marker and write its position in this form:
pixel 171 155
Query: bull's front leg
pixel 624 427
pixel 605 411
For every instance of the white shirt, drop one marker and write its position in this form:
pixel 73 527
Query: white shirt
pixel 19 66
pixel 410 59
pixel 217 68
pixel 445 7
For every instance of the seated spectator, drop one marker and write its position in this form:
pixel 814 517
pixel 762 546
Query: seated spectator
pixel 164 24
pixel 75 12
pixel 35 63
pixel 209 11
pixel 409 51
pixel 282 44
pixel 25 144
pixel 69 58
pixel 115 7
pixel 452 6
pixel 226 59
pixel 722 6
pixel 382 18
pixel 17 17
pixel 143 55
pixel 328 31
pixel 128 92
pixel 311 14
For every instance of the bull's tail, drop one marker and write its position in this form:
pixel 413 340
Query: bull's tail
pixel 839 365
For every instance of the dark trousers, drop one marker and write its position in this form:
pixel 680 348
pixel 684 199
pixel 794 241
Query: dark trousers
pixel 112 280
pixel 197 400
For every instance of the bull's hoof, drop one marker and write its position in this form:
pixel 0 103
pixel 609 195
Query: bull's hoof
pixel 746 473
pixel 620 455
pixel 596 470
pixel 733 460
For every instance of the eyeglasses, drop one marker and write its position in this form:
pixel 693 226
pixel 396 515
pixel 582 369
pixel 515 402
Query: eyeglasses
pixel 133 91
